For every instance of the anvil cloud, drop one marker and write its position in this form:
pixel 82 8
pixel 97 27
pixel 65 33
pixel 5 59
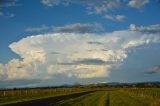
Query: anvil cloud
pixel 78 55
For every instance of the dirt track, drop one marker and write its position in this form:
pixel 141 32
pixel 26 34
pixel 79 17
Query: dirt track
pixel 51 101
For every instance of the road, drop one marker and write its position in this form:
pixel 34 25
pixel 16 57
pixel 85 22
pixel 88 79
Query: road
pixel 51 101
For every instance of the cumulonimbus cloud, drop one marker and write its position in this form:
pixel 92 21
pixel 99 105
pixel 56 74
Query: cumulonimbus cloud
pixel 78 55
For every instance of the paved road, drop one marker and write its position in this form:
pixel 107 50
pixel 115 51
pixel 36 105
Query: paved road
pixel 51 101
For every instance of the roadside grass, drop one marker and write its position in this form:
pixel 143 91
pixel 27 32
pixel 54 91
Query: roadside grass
pixel 151 96
pixel 15 98
pixel 121 97
pixel 93 99
pixel 22 98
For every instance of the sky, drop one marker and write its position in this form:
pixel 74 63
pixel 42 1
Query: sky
pixel 56 42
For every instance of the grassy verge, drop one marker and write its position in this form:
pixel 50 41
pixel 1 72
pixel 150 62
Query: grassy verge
pixel 94 99
pixel 22 98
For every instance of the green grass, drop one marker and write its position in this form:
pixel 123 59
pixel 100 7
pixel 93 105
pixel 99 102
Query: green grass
pixel 121 97
pixel 20 96
pixel 93 99
pixel 102 97
pixel 149 96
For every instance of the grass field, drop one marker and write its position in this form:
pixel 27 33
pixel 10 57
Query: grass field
pixel 100 97
pixel 120 97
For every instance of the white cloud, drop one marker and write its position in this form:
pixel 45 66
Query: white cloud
pixel 50 2
pixel 110 17
pixel 75 55
pixel 132 27
pixel 14 71
pixel 137 3
pixel 103 5
pixel 92 71
pixel 119 18
pixel 153 69
pixel 79 28
pixel 146 29
pixel 2 72
pixel 8 15
pixel 93 6
pixel 37 29
pixel 8 4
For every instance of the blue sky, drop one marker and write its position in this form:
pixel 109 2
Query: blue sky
pixel 90 41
